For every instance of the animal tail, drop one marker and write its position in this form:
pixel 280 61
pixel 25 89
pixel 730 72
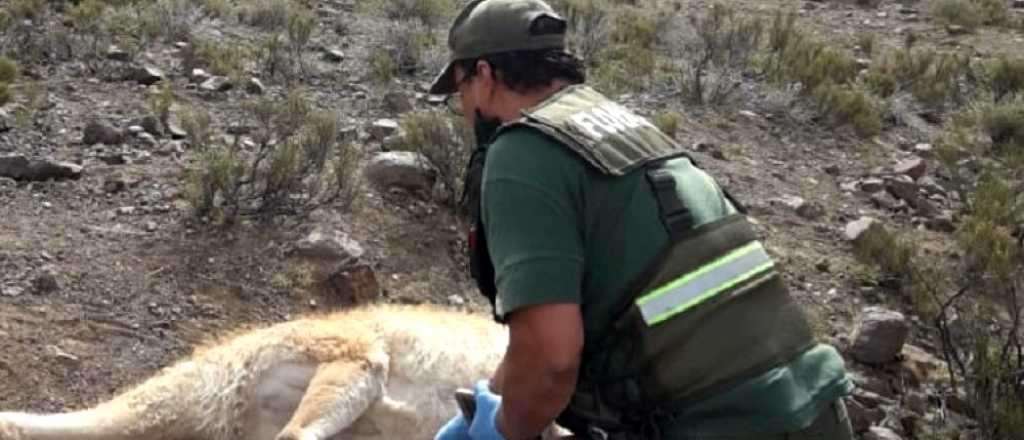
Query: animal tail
pixel 158 409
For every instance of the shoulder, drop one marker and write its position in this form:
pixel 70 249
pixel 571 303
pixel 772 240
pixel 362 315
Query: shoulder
pixel 525 150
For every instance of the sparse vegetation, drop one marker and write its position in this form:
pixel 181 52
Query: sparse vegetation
pixel 1005 78
pixel 849 105
pixel 723 47
pixel 430 13
pixel 627 59
pixel 405 45
pixel 668 122
pixel 8 73
pixel 441 141
pixel 300 162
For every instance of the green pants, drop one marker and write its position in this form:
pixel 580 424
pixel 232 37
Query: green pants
pixel 832 424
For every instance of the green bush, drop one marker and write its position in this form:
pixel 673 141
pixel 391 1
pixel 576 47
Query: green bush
pixel 8 70
pixel 803 58
pixel 724 46
pixel 1004 125
pixel 1005 77
pixel 440 140
pixel 972 13
pixel 431 13
pixel 668 122
pixel 5 93
pixel 845 105
pixel 300 163
pixel 932 78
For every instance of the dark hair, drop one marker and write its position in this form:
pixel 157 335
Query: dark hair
pixel 524 71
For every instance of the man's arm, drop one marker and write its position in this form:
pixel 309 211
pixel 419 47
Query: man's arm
pixel 538 373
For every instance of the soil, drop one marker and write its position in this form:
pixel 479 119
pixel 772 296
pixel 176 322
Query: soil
pixel 137 288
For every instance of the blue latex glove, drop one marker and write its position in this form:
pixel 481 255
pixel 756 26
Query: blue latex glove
pixel 484 426
pixel 455 429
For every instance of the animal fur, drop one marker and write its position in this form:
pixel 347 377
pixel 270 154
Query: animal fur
pixel 371 373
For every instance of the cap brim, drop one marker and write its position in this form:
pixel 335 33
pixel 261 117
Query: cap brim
pixel 444 84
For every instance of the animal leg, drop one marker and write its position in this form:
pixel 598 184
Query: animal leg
pixel 338 394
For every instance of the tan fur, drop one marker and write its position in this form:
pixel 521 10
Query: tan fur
pixel 372 373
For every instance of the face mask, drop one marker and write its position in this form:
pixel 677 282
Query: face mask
pixel 485 128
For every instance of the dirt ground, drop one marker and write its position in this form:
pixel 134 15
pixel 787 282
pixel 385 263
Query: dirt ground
pixel 136 290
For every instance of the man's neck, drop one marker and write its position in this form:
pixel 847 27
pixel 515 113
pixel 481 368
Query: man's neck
pixel 516 102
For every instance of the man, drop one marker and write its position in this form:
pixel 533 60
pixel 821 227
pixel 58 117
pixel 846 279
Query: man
pixel 639 302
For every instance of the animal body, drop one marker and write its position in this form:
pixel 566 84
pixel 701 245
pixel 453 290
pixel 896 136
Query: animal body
pixel 370 373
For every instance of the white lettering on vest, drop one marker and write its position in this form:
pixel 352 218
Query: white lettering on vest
pixel 586 121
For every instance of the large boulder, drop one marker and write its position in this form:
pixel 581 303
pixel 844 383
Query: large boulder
pixel 402 169
pixel 879 336
pixel 18 167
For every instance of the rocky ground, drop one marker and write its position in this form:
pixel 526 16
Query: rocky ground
pixel 106 276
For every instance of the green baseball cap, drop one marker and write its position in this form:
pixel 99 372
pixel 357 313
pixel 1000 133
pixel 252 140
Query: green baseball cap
pixel 492 26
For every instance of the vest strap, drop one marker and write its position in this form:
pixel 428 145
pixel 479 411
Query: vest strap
pixel 676 217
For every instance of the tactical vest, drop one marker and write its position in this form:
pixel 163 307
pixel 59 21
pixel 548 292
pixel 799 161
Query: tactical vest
pixel 708 314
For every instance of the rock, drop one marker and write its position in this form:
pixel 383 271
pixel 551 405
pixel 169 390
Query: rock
pixel 1018 4
pixel 872 185
pixel 382 128
pixel 402 169
pixel 913 167
pixel 150 124
pixel 943 222
pixel 956 30
pixel 879 336
pixel 148 75
pixel 19 167
pixel 923 150
pixel 884 200
pixel 397 102
pixel 833 170
pixel 856 230
pixel 334 55
pixel 910 193
pixel 199 76
pixel 100 133
pixel 456 300
pixel 861 417
pixel 354 283
pixel 151 226
pixel 255 86
pixel 335 246
pixel 823 265
pixel 114 183
pixel 217 84
pixel 11 290
pixel 393 143
pixel 125 210
pixel 135 129
pixel 46 281
pixel 148 140
pixel 921 367
pixel 117 54
pixel 880 433
pixel 176 132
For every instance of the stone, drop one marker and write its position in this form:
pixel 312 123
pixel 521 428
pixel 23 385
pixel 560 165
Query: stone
pixel 857 229
pixel 334 246
pixel 833 170
pixel 861 417
pixel 382 128
pixel 151 226
pixel 910 193
pixel 117 54
pixel 100 133
pixel 920 366
pixel 125 210
pixel 923 149
pixel 148 140
pixel 402 169
pixel 913 167
pixel 148 75
pixel 114 183
pixel 217 84
pixel 943 222
pixel 150 124
pixel 176 132
pixel 334 55
pixel 354 283
pixel 884 200
pixel 880 433
pixel 199 76
pixel 135 129
pixel 810 210
pixel 956 30
pixel 255 86
pixel 879 336
pixel 46 281
pixel 871 185
pixel 18 167
pixel 397 102
pixel 1017 4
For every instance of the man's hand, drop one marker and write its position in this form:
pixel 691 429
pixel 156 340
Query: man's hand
pixel 539 369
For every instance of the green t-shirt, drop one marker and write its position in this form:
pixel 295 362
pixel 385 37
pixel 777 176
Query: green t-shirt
pixel 560 231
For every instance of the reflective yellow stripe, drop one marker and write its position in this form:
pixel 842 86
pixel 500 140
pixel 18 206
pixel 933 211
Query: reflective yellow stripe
pixel 702 284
